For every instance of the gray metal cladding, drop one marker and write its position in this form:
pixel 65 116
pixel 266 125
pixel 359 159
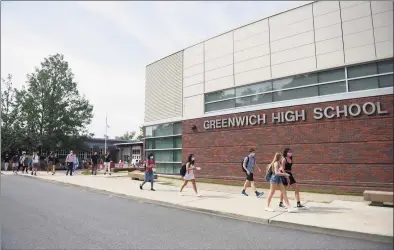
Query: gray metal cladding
pixel 163 91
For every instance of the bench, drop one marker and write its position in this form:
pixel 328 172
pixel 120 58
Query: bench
pixel 138 175
pixel 378 198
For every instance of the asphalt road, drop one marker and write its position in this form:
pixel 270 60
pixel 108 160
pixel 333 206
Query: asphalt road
pixel 40 215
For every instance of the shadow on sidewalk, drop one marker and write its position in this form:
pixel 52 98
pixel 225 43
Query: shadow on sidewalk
pixel 324 210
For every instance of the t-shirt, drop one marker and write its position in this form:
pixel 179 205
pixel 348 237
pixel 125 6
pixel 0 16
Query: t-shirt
pixel 36 159
pixel 15 158
pixel 94 159
pixel 6 159
pixel 251 163
pixel 108 158
pixel 148 165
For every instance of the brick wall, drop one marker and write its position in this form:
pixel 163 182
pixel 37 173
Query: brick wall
pixel 346 153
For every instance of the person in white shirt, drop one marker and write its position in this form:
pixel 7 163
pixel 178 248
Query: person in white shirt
pixel 70 163
pixel 36 161
pixel 189 176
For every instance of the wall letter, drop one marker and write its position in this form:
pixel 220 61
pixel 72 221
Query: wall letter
pixel 231 122
pixel 358 109
pixel 218 123
pixel 212 123
pixel 344 111
pixel 298 115
pixel 291 118
pixel 252 120
pixel 261 119
pixel 380 111
pixel 275 118
pixel 326 114
pixel 373 108
pixel 240 121
pixel 224 123
pixel 318 113
pixel 206 125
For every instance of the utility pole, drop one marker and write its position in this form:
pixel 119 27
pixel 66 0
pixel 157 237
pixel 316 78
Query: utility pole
pixel 106 134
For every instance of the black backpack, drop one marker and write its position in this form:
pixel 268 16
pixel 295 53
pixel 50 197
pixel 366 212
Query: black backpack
pixel 182 171
pixel 246 163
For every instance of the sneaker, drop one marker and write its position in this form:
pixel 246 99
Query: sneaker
pixel 244 193
pixel 268 209
pixel 281 205
pixel 152 189
pixel 259 194
pixel 291 210
pixel 141 187
pixel 35 174
pixel 198 195
pixel 299 206
pixel 31 173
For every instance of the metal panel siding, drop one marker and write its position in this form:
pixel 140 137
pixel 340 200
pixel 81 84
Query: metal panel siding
pixel 163 92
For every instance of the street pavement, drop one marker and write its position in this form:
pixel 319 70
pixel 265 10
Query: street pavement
pixel 41 215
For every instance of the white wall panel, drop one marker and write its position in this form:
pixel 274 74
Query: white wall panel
pixel 384 49
pixel 383 34
pixel 218 84
pixel 292 16
pixel 294 67
pixel 293 41
pixel 327 19
pixel 193 107
pixel 381 6
pixel 293 54
pixel 219 62
pixel 193 55
pixel 250 53
pixel 383 19
pixel 193 80
pixel 225 49
pixel 347 4
pixel 358 39
pixel 357 25
pixel 193 90
pixel 252 76
pixel 324 7
pixel 255 63
pixel 328 46
pixel 262 38
pixel 291 30
pixel 251 30
pixel 328 32
pixel 219 41
pixel 218 73
pixel 163 93
pixel 330 60
pixel 193 70
pixel 360 54
pixel 355 12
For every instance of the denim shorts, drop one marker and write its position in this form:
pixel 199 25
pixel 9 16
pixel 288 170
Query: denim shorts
pixel 275 179
pixel 35 165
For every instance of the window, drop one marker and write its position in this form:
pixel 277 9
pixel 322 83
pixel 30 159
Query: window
pixel 354 78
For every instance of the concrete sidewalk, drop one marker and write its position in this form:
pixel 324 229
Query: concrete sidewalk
pixel 354 219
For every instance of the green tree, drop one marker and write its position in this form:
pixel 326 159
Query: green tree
pixel 56 114
pixel 141 134
pixel 127 136
pixel 11 125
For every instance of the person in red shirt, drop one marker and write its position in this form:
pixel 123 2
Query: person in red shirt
pixel 150 164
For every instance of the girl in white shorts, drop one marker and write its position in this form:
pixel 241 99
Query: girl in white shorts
pixel 189 176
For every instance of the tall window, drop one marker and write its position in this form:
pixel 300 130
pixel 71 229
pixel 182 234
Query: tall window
pixel 165 142
pixel 330 82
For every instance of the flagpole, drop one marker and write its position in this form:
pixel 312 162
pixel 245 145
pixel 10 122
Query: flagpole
pixel 106 132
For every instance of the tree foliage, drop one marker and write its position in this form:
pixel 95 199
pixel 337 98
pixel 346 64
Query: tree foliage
pixel 141 134
pixel 51 112
pixel 126 136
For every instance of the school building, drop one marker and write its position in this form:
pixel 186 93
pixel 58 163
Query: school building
pixel 317 79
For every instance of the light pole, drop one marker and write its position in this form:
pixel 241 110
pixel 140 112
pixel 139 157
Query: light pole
pixel 106 135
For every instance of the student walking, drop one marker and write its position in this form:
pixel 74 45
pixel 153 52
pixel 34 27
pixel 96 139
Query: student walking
pixel 287 163
pixel 150 165
pixel 23 162
pixel 55 163
pixel 248 164
pixel 6 162
pixel 36 162
pixel 189 175
pixel 70 163
pixel 30 164
pixel 276 183
pixel 15 164
pixel 107 163
pixel 94 161
pixel 75 163
pixel 50 163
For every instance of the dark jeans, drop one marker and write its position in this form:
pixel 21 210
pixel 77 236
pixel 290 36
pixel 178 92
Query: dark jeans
pixel 94 169
pixel 70 167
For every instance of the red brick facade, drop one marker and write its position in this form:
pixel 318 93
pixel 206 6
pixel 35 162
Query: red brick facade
pixel 345 154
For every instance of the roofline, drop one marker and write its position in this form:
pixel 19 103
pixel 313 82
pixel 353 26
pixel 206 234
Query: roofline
pixel 233 30
pixel 128 143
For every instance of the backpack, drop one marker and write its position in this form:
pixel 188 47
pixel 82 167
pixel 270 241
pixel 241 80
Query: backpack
pixel 268 174
pixel 182 171
pixel 246 164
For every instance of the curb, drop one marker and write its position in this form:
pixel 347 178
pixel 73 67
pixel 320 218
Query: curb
pixel 271 222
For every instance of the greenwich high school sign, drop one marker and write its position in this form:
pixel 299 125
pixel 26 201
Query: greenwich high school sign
pixel 330 112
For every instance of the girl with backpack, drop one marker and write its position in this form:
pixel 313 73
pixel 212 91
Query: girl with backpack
pixel 189 175
pixel 276 183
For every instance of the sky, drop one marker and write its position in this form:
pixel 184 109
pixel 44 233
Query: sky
pixel 109 44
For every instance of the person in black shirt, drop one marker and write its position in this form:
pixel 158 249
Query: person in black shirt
pixel 94 160
pixel 6 162
pixel 107 164
pixel 55 162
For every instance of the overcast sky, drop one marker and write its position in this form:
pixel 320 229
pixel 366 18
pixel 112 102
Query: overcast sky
pixel 108 44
